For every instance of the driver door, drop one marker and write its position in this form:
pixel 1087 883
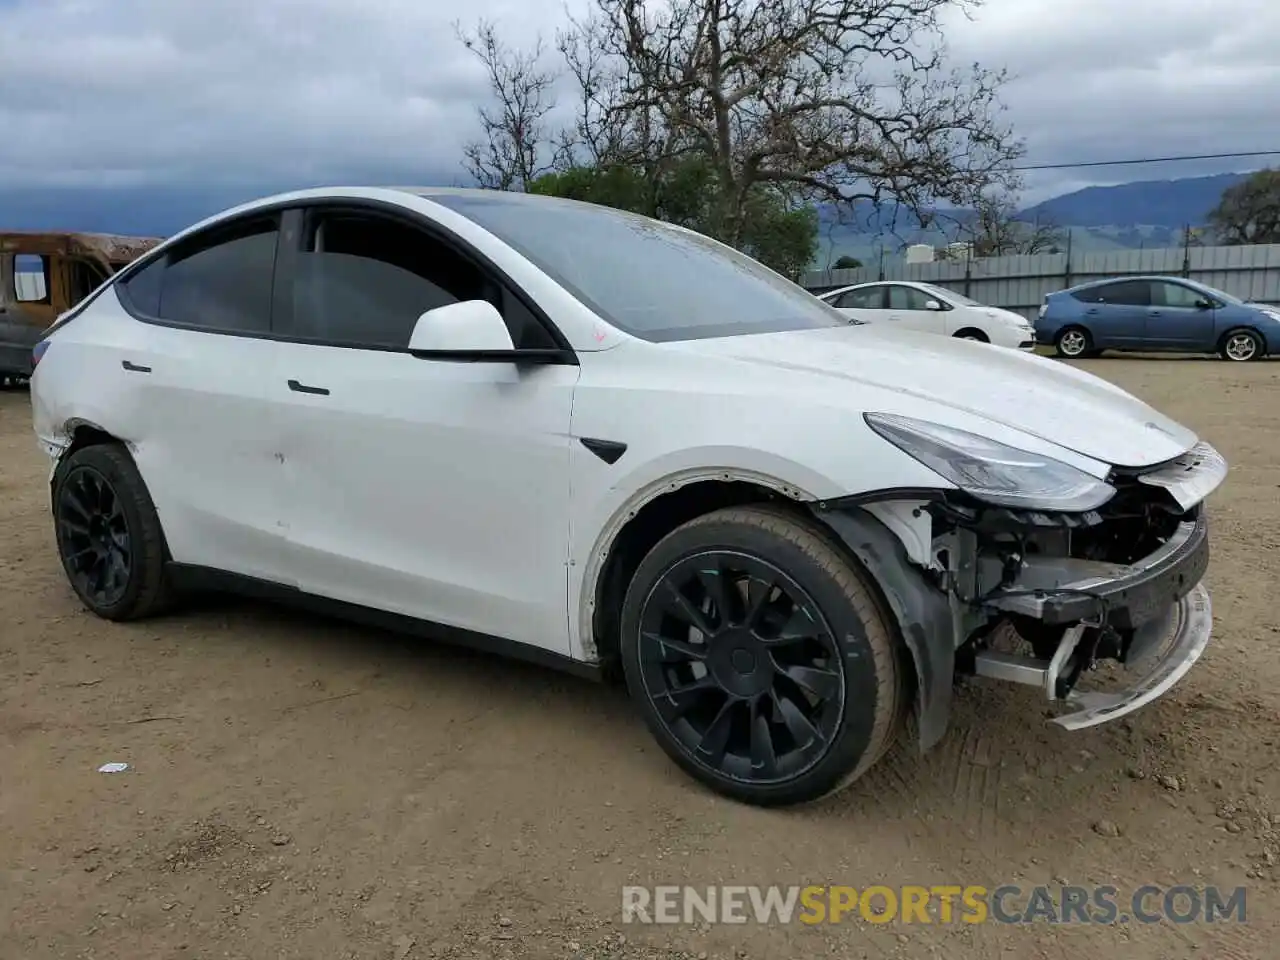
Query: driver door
pixel 436 489
pixel 1177 318
pixel 908 308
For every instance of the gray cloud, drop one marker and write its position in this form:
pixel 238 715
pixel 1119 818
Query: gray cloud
pixel 101 92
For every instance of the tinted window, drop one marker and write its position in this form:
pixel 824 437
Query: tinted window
pixel 221 282
pixel 1175 295
pixel 907 298
pixel 650 279
pixel 1125 293
pixel 143 288
pixel 365 280
pixel 868 298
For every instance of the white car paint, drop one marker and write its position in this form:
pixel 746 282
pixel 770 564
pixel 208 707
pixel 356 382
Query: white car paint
pixel 933 309
pixel 459 493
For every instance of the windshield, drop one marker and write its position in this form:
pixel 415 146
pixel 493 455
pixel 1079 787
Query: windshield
pixel 652 280
pixel 956 298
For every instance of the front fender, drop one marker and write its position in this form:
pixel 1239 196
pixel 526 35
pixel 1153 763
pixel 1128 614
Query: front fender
pixel 922 612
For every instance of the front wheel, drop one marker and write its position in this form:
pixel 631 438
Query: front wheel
pixel 760 657
pixel 1241 346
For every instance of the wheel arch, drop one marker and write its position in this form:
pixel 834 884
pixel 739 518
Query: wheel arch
pixel 971 330
pixel 81 433
pixel 647 516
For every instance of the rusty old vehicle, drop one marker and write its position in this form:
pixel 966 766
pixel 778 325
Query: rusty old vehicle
pixel 43 275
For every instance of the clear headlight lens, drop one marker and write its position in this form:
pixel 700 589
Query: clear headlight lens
pixel 1272 314
pixel 991 471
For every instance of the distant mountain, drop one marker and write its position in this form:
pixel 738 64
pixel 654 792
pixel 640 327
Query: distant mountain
pixel 1159 203
pixel 1146 213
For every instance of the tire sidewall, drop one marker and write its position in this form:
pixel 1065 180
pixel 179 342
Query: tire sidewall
pixel 855 733
pixel 1257 345
pixel 121 481
pixel 1088 341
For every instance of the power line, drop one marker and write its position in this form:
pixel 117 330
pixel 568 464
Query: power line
pixel 1139 160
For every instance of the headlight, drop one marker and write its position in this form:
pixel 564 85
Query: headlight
pixel 1272 314
pixel 991 471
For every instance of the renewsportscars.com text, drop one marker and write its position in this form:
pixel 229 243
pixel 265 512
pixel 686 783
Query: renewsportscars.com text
pixel 940 904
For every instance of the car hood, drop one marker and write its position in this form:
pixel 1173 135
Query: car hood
pixel 1035 396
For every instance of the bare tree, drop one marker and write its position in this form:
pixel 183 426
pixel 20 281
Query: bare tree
pixel 995 229
pixel 515 143
pixel 831 99
pixel 1249 211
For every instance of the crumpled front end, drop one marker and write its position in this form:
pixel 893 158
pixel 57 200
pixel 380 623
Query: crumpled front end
pixel 1104 610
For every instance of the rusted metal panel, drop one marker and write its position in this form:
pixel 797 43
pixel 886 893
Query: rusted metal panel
pixel 106 248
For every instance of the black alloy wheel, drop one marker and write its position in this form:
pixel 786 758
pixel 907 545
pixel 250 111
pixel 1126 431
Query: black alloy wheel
pixel 93 536
pixel 760 656
pixel 109 536
pixel 742 666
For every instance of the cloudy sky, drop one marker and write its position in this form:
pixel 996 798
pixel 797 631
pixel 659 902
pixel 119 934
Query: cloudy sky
pixel 135 92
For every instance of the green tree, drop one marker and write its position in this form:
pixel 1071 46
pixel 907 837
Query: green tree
pixel 847 262
pixel 778 233
pixel 1249 211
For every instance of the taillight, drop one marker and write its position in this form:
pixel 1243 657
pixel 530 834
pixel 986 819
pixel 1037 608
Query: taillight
pixel 37 352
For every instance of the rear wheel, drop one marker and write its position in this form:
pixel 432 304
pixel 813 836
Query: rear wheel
pixel 1073 342
pixel 1241 346
pixel 109 536
pixel 760 657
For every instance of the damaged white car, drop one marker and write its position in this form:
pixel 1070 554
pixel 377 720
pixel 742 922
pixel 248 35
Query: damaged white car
pixel 575 435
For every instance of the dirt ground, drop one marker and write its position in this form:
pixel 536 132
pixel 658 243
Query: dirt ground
pixel 306 789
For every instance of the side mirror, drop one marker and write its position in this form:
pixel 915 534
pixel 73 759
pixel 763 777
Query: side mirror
pixel 1203 304
pixel 932 305
pixel 464 327
pixel 473 331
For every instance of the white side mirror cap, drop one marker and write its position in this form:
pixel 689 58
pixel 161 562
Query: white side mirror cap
pixel 468 326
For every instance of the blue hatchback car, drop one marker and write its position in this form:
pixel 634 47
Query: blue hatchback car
pixel 1156 313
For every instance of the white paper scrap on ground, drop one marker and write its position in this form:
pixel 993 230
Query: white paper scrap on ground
pixel 113 768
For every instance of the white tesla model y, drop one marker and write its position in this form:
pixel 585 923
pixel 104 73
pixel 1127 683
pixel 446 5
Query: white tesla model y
pixel 568 433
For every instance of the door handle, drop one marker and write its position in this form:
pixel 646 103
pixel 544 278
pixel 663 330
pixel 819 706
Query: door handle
pixel 297 387
pixel 133 367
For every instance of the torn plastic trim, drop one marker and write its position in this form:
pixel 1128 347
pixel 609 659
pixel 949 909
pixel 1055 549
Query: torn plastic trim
pixel 921 609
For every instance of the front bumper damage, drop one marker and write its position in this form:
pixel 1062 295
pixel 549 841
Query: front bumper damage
pixel 1160 601
pixel 973 587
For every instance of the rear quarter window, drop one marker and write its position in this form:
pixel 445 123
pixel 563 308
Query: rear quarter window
pixel 143 288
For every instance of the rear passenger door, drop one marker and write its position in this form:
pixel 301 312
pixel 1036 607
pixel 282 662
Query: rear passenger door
pixel 862 303
pixel 196 377
pixel 1116 313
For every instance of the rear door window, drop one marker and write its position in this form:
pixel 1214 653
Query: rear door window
pixel 220 281
pixel 1128 293
pixel 865 298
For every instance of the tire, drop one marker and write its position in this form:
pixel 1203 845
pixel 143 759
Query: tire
pixel 822 730
pixel 1073 343
pixel 1241 345
pixel 108 533
pixel 971 333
